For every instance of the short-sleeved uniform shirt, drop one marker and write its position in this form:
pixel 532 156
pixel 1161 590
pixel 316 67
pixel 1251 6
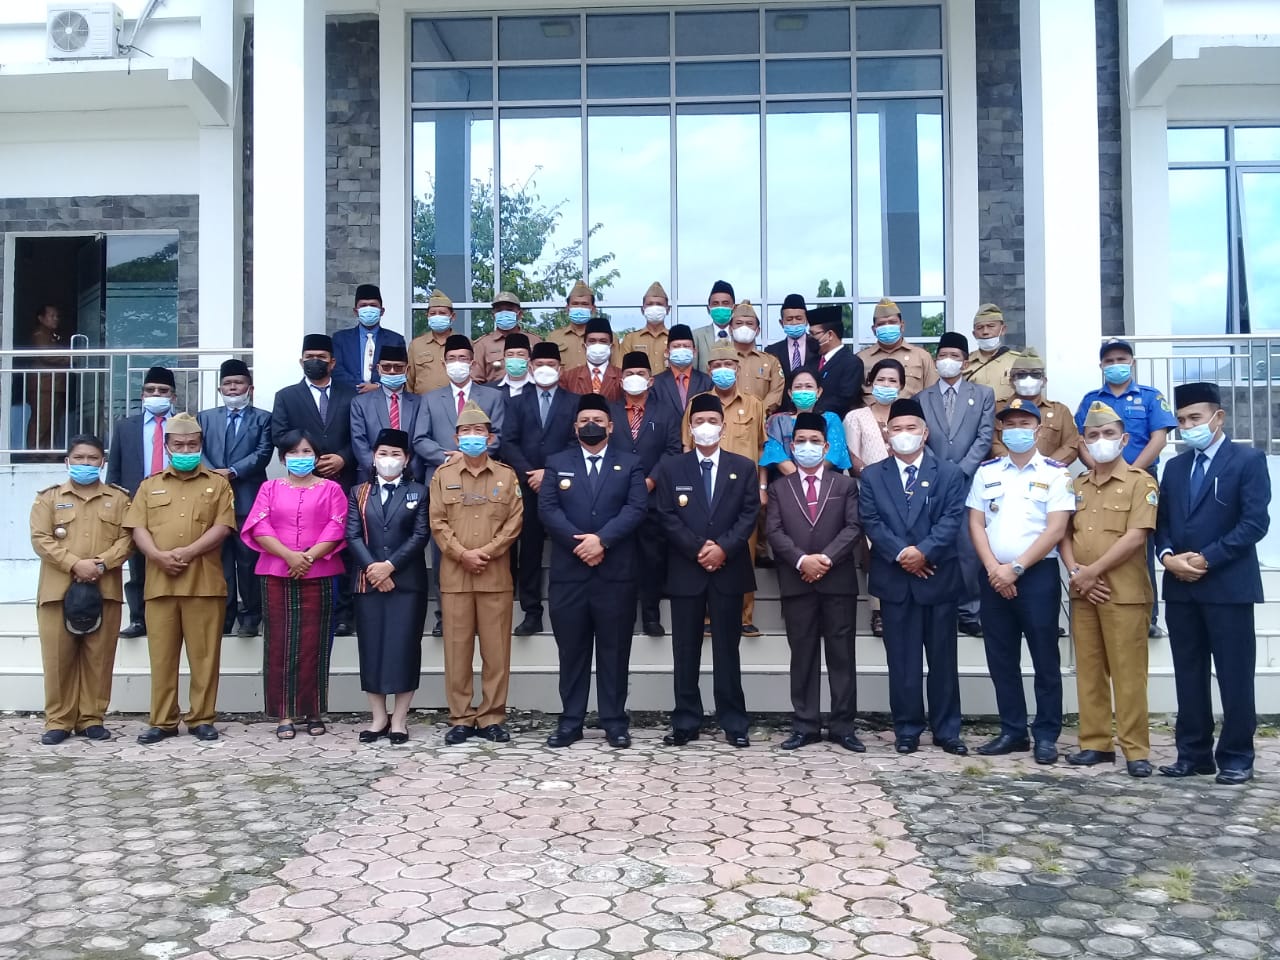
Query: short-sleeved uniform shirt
pixel 1127 500
pixel 993 372
pixel 653 345
pixel 1144 410
pixel 1058 438
pixel 760 375
pixel 743 427
pixel 915 360
pixel 475 509
pixel 426 363
pixel 1016 501
pixel 489 365
pixel 70 522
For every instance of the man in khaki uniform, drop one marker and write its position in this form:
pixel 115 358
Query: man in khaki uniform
pixel 476 516
pixel 490 363
pixel 1106 558
pixel 651 339
pixel 76 529
pixel 990 364
pixel 759 373
pixel 426 353
pixel 1058 438
pixel 179 519
pixel 891 343
pixel 572 340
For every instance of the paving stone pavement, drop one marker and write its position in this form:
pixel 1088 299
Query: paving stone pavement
pixel 324 848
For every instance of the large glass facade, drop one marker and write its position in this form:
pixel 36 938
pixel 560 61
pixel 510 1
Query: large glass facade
pixel 786 149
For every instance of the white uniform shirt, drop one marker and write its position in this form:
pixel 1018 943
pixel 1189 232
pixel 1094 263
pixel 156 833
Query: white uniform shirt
pixel 1016 502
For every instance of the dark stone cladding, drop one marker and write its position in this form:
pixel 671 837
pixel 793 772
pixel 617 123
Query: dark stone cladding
pixel 1110 167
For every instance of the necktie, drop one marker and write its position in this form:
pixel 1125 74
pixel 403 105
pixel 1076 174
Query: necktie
pixel 723 335
pixel 682 381
pixel 1197 476
pixel 949 403
pixel 157 447
pixel 462 400
pixel 395 411
pixel 795 354
pixel 368 357
pixel 595 379
pixel 233 427
pixel 706 479
pixel 910 487
pixel 822 362
pixel 324 404
pixel 635 416
pixel 811 497
pixel 593 473
pixel 546 406
pixel 386 493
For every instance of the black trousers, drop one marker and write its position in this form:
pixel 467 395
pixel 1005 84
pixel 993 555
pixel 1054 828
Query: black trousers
pixel 913 633
pixel 133 590
pixel 816 621
pixel 653 569
pixel 585 619
pixel 244 592
pixel 687 618
pixel 1222 633
pixel 528 568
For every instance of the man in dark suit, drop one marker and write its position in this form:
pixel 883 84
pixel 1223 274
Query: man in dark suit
pixel 237 447
pixel 1212 513
pixel 646 428
pixel 840 373
pixel 912 505
pixel 391 407
pixel 539 423
pixel 708 500
pixel 797 350
pixel 592 502
pixel 321 406
pixel 138 451
pixel 674 386
pixel 355 349
pixel 813 528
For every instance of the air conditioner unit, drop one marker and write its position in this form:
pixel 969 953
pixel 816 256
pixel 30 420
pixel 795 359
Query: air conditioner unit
pixel 83 31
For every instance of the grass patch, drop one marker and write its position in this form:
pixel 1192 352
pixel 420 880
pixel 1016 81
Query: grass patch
pixel 804 896
pixel 984 863
pixel 1228 913
pixel 1049 865
pixel 1178 884
pixel 975 770
pixel 879 843
pixel 1236 882
pixel 1051 847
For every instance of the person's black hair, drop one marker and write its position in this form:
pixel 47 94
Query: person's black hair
pixel 292 438
pixel 88 440
pixel 888 363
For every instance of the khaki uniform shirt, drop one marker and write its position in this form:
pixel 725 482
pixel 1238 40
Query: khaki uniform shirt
pixel 1058 438
pixel 1126 501
pixel 177 509
pixel 489 350
pixel 760 375
pixel 915 359
pixel 475 509
pixel 69 523
pixel 572 342
pixel 645 341
pixel 993 373
pixel 743 427
pixel 426 363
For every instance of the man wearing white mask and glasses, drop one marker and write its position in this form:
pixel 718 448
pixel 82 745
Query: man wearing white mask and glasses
pixel 1058 439
pixel 991 364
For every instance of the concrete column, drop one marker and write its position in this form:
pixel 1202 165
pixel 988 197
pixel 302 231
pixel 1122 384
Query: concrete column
pixel 395 277
pixel 288 188
pixel 962 243
pixel 1060 170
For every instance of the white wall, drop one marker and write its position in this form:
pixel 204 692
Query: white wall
pixel 1221 17
pixel 172 31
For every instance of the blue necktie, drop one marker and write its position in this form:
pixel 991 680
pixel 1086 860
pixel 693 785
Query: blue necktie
pixel 706 479
pixel 593 474
pixel 546 406
pixel 1197 477
pixel 910 487
pixel 233 425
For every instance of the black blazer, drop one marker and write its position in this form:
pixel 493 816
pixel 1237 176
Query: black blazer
pixel 249 456
pixel 781 351
pixel 931 523
pixel 526 443
pixel 567 508
pixel 398 534
pixel 124 464
pixel 1225 524
pixel 295 409
pixel 837 532
pixel 841 381
pixel 659 435
pixel 729 521
pixel 665 391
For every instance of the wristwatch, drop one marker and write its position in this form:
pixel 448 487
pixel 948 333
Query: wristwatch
pixel 1017 568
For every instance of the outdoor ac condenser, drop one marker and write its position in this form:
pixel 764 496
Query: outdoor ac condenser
pixel 83 31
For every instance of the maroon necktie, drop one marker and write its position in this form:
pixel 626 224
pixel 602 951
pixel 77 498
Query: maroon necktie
pixel 811 497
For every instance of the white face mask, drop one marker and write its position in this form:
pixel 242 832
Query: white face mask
pixel 236 403
pixel 1104 450
pixel 1028 386
pixel 545 376
pixel 653 313
pixel 598 353
pixel 950 367
pixel 458 371
pixel 635 384
pixel 989 343
pixel 706 434
pixel 906 443
pixel 744 335
pixel 389 468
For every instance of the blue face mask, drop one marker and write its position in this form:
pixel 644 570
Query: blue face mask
pixel 723 377
pixel 300 466
pixel 579 314
pixel 369 316
pixel 157 406
pixel 884 394
pixel 473 446
pixel 1117 373
pixel 1019 439
pixel 889 333
pixel 393 381
pixel 807 454
pixel 439 324
pixel 505 319
pixel 795 332
pixel 1199 437
pixel 804 399
pixel 681 356
pixel 84 473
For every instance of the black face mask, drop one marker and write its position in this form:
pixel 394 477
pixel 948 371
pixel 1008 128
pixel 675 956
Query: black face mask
pixel 315 368
pixel 589 434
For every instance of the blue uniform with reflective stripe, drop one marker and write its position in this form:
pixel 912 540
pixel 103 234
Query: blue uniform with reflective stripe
pixel 1143 410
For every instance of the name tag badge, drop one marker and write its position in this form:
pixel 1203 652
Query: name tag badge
pixel 154 492
pixel 453 486
pixel 988 486
pixel 63 506
pixel 564 473
pixel 686 489
pixel 1037 485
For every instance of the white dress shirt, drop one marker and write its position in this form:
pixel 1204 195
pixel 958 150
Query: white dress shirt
pixel 817 493
pixel 460 390
pixel 902 468
pixel 714 457
pixel 316 391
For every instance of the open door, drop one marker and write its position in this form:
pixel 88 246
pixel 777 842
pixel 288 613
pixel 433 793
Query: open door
pixel 89 410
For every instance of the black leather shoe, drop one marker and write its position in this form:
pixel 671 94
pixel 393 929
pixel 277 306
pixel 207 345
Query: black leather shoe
pixel 619 739
pixel 970 628
pixel 564 738
pixel 455 735
pixel 494 732
pixel 134 630
pixel 1185 768
pixel 1155 632
pixel 954 746
pixel 438 629
pixel 849 741
pixel 373 736
pixel 343 629
pixel 96 732
pixel 1046 752
pixel 1138 768
pixel 678 738
pixel 247 630
pixel 204 731
pixel 398 738
pixel 528 627
pixel 906 745
pixel 750 630
pixel 1005 743
pixel 51 738
pixel 1090 758
pixel 738 740
pixel 654 628
pixel 155 735
pixel 764 561
pixel 229 629
pixel 1234 778
pixel 877 624
pixel 798 740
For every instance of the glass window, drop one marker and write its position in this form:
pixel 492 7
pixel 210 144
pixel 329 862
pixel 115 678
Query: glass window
pixel 628 35
pixel 807 76
pixel 1258 143
pixel 1199 271
pixel 883 74
pixel 629 81
pixel 717 34
pixel 1260 249
pixel 1197 144
pixel 431 86
pixel 539 38
pixel 899 28
pixel 807 31
pixel 539 83
pixel 718 79
pixel 452 41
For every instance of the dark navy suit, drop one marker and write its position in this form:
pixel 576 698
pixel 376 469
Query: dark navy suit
pixel 919 614
pixel 688 522
pixel 587 602
pixel 841 379
pixel 1212 618
pixel 665 391
pixel 348 351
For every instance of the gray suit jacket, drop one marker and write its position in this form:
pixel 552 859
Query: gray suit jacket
pixel 435 431
pixel 369 415
pixel 248 456
pixel 704 338
pixel 966 442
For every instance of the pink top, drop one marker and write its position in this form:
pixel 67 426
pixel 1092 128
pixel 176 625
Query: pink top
pixel 863 436
pixel 299 517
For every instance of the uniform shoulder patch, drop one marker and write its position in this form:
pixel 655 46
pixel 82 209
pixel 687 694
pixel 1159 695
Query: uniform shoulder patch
pixel 987 463
pixel 1164 404
pixel 1153 498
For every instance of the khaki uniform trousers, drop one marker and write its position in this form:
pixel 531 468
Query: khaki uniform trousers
pixel 749 599
pixel 487 614
pixel 198 622
pixel 77 670
pixel 1111 655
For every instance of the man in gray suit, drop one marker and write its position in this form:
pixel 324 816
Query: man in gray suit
pixel 720 308
pixel 390 408
pixel 237 447
pixel 961 420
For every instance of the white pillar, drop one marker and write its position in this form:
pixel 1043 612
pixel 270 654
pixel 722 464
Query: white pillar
pixel 288 188
pixel 395 277
pixel 1060 186
pixel 963 104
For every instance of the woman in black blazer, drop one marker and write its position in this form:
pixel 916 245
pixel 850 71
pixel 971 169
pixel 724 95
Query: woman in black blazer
pixel 387 529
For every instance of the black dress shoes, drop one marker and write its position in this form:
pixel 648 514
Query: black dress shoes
pixel 373 736
pixel 619 739
pixel 563 738
pixel 739 740
pixel 678 738
pixel 953 745
pixel 134 630
pixel 398 738
pixel 654 628
pixel 343 629
pixel 849 741
pixel 494 733
pixel 1185 768
pixel 798 740
pixel 970 628
pixel 1045 752
pixel 1090 758
pixel 248 630
pixel 96 731
pixel 877 624
pixel 51 738
pixel 1138 768
pixel 204 731
pixel 1234 778
pixel 528 627
pixel 906 744
pixel 1005 743
pixel 438 629
pixel 155 735
pixel 454 735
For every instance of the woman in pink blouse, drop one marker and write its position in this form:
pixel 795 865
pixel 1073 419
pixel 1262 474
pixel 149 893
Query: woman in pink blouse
pixel 297 525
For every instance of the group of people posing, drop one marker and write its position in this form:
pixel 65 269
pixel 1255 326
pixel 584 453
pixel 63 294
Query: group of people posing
pixel 669 463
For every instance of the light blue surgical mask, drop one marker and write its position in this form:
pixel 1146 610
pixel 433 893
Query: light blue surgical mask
pixel 516 366
pixel 157 406
pixel 393 381
pixel 807 454
pixel 1019 439
pixel 889 333
pixel 681 356
pixel 579 314
pixel 1117 373
pixel 369 316
pixel 300 466
pixel 1199 437
pixel 804 399
pixel 884 394
pixel 439 324
pixel 84 473
pixel 795 331
pixel 724 377
pixel 472 445
pixel 505 319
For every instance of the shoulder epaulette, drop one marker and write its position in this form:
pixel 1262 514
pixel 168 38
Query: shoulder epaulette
pixel 987 463
pixel 1055 463
pixel 124 490
pixel 47 489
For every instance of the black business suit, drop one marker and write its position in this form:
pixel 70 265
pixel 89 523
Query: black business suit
pixel 781 351
pixel 124 469
pixel 841 379
pixel 667 393
pixel 820 614
pixel 688 522
pixel 586 601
